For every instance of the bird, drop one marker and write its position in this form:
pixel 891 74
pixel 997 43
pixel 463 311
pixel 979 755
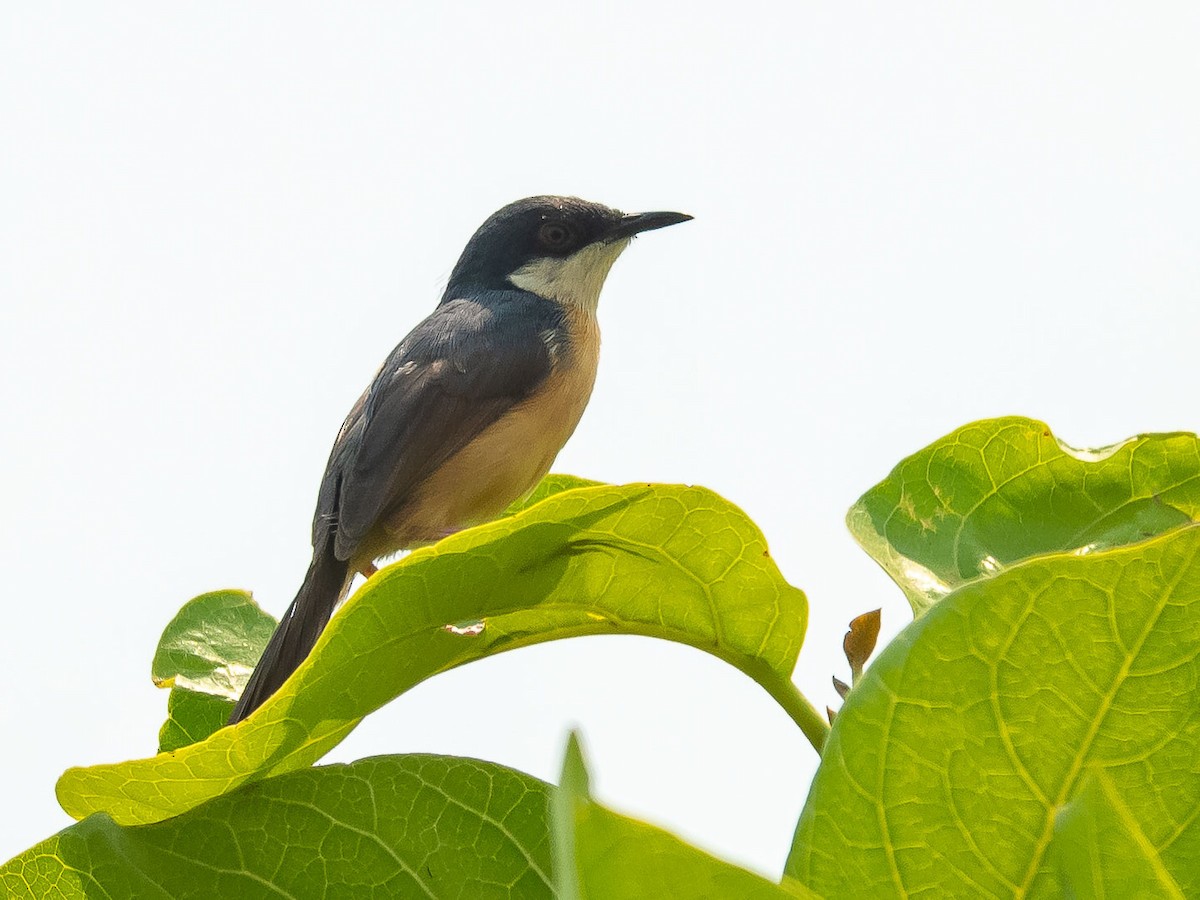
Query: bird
pixel 467 413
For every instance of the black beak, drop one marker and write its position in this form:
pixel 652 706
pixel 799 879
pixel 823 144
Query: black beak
pixel 636 223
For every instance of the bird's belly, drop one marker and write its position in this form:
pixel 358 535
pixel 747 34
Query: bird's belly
pixel 503 463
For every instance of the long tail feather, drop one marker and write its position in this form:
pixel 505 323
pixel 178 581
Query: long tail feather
pixel 298 631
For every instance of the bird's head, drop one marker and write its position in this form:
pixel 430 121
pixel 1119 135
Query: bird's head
pixel 560 248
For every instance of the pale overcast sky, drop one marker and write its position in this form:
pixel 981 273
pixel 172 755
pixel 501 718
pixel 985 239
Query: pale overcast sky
pixel 219 217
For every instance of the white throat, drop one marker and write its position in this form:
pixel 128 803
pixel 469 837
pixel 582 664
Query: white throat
pixel 575 280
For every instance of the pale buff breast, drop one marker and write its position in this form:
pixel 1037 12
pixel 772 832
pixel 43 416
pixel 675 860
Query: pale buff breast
pixel 508 459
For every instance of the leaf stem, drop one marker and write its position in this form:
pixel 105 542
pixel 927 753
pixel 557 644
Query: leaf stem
pixel 803 713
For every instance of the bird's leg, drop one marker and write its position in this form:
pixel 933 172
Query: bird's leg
pixel 368 569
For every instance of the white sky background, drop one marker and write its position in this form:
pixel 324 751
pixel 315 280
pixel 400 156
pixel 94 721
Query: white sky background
pixel 218 218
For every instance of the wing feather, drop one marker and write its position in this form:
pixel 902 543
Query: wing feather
pixel 454 375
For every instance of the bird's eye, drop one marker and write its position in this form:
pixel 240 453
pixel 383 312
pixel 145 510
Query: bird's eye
pixel 555 235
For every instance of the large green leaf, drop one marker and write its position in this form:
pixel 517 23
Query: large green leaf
pixel 393 826
pixel 605 856
pixel 950 760
pixel 997 492
pixel 1102 851
pixel 666 561
pixel 205 656
pixel 207 652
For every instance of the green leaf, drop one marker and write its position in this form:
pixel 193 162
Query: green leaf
pixel 212 644
pixel 206 655
pixel 997 492
pixel 574 791
pixel 395 826
pixel 207 652
pixel 600 854
pixel 191 717
pixel 549 486
pixel 666 561
pixel 950 760
pixel 1102 850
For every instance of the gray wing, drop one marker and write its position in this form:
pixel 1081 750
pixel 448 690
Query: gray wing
pixel 455 374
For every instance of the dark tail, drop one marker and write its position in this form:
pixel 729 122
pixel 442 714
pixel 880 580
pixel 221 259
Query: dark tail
pixel 298 631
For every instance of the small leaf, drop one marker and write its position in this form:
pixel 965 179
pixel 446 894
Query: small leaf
pixel 213 644
pixel 950 760
pixel 997 492
pixel 859 642
pixel 665 561
pixel 601 854
pixel 191 717
pixel 395 826
pixel 205 655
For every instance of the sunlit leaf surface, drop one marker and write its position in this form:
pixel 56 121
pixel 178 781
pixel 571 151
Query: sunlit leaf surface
pixel 1103 852
pixel 951 759
pixel 393 826
pixel 997 492
pixel 659 560
pixel 205 656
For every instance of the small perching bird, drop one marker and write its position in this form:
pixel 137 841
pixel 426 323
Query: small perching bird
pixel 467 414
